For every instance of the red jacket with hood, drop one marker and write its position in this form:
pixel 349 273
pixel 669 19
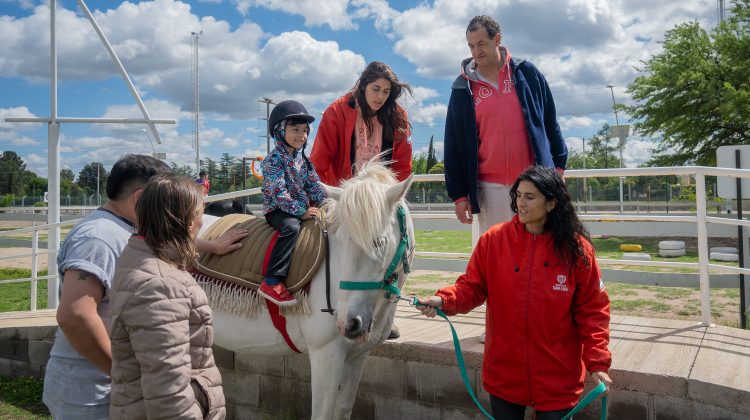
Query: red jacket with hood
pixel 332 150
pixel 547 322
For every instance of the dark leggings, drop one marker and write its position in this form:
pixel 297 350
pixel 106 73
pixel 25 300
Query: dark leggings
pixel 504 410
pixel 288 227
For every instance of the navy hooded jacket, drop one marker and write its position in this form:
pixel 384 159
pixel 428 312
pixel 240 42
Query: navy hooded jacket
pixel 462 142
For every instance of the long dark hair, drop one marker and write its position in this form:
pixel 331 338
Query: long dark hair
pixel 562 222
pixel 165 209
pixel 389 114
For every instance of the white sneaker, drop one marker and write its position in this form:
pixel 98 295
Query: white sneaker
pixel 481 338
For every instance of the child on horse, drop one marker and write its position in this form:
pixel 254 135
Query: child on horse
pixel 291 193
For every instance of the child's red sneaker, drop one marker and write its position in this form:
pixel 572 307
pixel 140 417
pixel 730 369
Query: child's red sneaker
pixel 277 294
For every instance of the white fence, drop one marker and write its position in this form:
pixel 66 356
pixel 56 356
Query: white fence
pixel 700 218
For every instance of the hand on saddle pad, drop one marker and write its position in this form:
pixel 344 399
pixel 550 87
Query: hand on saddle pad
pixel 310 213
pixel 427 305
pixel 224 244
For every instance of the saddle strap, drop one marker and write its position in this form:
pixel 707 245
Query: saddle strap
pixel 279 322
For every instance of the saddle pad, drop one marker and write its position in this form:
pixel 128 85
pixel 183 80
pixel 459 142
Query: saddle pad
pixel 244 266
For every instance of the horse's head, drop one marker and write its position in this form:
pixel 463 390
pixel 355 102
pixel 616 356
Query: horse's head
pixel 368 229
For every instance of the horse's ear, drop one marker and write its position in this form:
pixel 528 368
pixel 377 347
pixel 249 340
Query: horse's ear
pixel 332 192
pixel 398 191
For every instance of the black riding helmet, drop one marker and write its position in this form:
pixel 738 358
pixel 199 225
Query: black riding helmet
pixel 285 110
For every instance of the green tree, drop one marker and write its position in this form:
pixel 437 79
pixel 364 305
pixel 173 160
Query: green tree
pixel 438 168
pixel 212 168
pixel 67 175
pixel 184 170
pixel 36 186
pixel 431 158
pixel 419 164
pixel 13 174
pixel 226 175
pixel 88 177
pixel 695 94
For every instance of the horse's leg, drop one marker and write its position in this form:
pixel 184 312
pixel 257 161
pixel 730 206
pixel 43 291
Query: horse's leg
pixel 348 393
pixel 326 376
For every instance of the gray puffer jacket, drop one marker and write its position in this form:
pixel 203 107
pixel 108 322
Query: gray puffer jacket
pixel 160 327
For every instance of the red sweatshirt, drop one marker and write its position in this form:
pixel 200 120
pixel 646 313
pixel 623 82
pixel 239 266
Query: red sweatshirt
pixel 547 322
pixel 504 146
pixel 331 151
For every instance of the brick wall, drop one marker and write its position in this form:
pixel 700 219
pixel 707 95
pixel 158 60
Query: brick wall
pixel 400 381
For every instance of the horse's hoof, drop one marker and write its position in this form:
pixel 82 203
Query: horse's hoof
pixel 395 333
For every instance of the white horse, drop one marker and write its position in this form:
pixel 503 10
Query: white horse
pixel 365 234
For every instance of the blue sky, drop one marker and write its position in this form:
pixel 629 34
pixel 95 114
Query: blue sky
pixel 307 50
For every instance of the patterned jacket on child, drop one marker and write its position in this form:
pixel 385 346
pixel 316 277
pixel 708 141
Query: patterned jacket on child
pixel 288 184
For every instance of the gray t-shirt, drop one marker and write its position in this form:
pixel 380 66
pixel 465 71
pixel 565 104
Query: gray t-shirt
pixel 93 246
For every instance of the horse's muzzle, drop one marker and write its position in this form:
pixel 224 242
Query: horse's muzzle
pixel 356 326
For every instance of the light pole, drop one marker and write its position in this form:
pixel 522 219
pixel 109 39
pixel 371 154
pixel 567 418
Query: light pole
pixel 621 140
pixel 617 120
pixel 149 140
pixel 583 140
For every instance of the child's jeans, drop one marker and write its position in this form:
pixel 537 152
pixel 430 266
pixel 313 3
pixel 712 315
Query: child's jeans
pixel 288 227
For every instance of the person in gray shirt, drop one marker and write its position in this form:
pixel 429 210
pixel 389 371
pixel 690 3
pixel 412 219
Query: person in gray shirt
pixel 77 376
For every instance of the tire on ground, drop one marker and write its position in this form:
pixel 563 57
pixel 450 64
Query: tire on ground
pixel 724 249
pixel 630 247
pixel 671 244
pixel 636 256
pixel 723 256
pixel 671 253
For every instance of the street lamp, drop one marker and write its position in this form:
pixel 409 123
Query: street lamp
pixel 161 155
pixel 620 135
pixel 617 120
pixel 149 140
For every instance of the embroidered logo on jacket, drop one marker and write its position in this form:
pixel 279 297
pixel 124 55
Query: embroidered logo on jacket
pixel 560 286
pixel 506 84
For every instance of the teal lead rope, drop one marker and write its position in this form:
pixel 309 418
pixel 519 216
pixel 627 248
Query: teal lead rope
pixel 588 399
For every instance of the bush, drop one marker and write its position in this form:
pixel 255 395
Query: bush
pixel 7 200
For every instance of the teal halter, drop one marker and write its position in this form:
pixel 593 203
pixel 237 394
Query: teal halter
pixel 388 284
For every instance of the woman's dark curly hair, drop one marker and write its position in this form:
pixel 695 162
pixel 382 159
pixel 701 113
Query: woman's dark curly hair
pixel 389 114
pixel 562 222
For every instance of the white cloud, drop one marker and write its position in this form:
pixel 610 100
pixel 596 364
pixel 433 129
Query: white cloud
pixel 229 143
pixel 16 112
pixel 237 65
pixel 427 114
pixel 316 13
pixel 637 151
pixel 571 123
pixel 421 112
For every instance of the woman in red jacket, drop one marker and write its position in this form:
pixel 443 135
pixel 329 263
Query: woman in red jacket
pixel 547 310
pixel 361 124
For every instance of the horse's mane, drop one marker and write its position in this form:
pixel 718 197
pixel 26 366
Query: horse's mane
pixel 363 209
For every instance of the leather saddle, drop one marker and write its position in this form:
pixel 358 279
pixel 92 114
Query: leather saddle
pixel 244 267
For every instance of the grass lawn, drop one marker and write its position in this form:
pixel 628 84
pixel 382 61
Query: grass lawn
pixel 16 296
pixel 21 399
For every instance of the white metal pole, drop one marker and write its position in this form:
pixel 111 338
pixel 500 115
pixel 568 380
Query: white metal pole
pixel 53 211
pixel 34 250
pixel 700 202
pixel 98 197
pixel 121 68
pixel 53 170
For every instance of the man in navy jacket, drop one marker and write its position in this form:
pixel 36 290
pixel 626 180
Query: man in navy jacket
pixel 501 119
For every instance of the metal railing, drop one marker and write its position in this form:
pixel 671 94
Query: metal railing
pixel 35 252
pixel 701 219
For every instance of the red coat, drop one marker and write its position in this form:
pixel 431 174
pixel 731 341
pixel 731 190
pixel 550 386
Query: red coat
pixel 331 151
pixel 546 321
